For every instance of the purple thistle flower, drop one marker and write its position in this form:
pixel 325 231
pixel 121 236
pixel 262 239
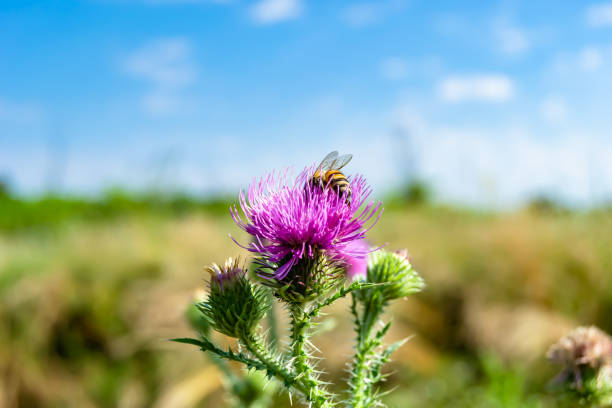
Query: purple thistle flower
pixel 301 220
pixel 222 276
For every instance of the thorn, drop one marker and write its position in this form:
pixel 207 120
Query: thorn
pixel 312 345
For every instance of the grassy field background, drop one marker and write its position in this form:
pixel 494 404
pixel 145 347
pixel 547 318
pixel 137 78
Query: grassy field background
pixel 91 290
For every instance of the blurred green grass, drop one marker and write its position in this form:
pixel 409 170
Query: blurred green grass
pixel 91 288
pixel 52 210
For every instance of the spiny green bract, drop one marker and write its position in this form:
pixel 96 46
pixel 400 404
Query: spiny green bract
pixel 234 306
pixel 309 279
pixel 395 274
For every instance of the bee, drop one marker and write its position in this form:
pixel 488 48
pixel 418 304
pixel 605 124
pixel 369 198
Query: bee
pixel 328 174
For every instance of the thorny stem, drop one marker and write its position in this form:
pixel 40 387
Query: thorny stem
pixel 307 386
pixel 264 361
pixel 273 323
pixel 300 323
pixel 273 366
pixel 340 293
pixel 361 381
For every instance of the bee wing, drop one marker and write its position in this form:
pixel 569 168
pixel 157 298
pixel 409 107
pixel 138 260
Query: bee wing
pixel 328 161
pixel 341 161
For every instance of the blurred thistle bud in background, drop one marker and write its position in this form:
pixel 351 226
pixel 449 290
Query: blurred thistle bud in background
pixel 234 305
pixel 196 319
pixel 303 234
pixel 585 356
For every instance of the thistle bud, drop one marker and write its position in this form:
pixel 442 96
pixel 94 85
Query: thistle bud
pixel 308 279
pixel 585 356
pixel 234 305
pixel 394 271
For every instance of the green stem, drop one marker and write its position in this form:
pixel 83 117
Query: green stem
pixel 361 383
pixel 317 396
pixel 273 366
pixel 278 369
pixel 370 315
pixel 340 293
pixel 264 360
pixel 272 321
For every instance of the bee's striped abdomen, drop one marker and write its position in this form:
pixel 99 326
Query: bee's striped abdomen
pixel 338 181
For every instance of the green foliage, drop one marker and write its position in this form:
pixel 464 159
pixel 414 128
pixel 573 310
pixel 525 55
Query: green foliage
pixel 484 382
pixel 546 205
pixel 503 387
pixel 417 193
pixel 51 210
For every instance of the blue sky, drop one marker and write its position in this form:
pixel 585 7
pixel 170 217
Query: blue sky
pixel 491 102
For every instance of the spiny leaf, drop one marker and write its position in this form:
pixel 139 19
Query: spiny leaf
pixel 187 340
pixel 381 333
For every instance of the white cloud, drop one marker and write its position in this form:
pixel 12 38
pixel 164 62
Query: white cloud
pixel 554 109
pixel 498 33
pixel 394 68
pixel 167 65
pixel 590 59
pixel 486 88
pixel 598 15
pixel 274 11
pixel 587 60
pixel 367 13
pixel 165 62
pixel 512 41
